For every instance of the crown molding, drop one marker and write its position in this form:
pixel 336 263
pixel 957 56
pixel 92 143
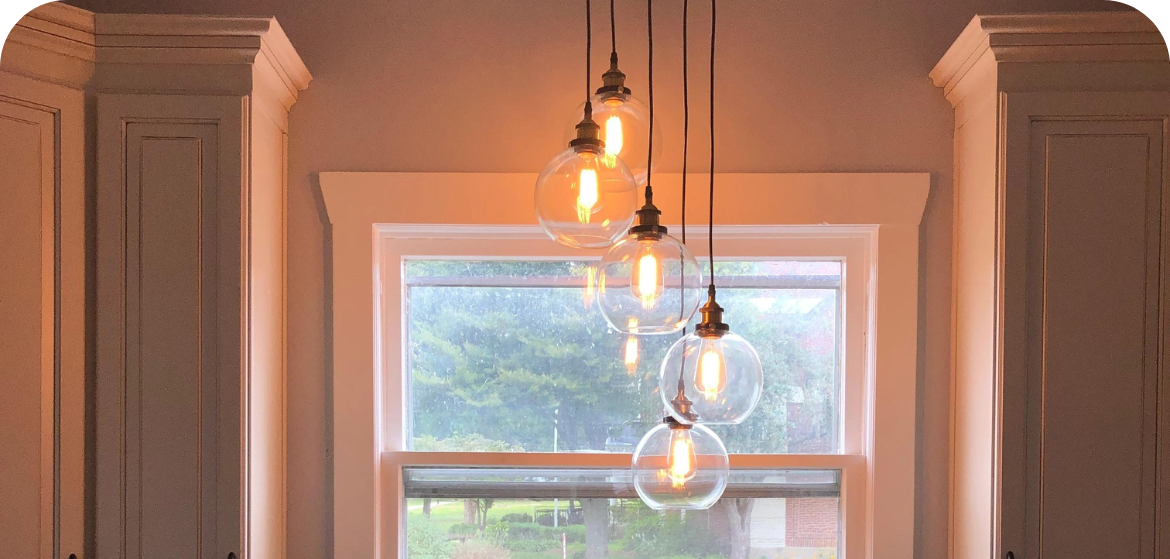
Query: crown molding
pixel 55 43
pixel 158 52
pixel 1054 37
pixel 189 44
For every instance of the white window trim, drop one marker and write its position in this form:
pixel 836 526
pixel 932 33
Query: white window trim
pixel 881 211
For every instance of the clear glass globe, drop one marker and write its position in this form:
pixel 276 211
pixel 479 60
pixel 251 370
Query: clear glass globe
pixel 722 376
pixel 649 285
pixel 680 467
pixel 585 198
pixel 625 129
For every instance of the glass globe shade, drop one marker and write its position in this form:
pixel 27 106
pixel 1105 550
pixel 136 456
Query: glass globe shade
pixel 585 198
pixel 625 129
pixel 680 467
pixel 722 376
pixel 649 284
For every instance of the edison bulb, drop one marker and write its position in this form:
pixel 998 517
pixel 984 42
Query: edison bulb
pixel 625 129
pixel 711 377
pixel 681 461
pixel 680 467
pixel 724 372
pixel 649 285
pixel 631 354
pixel 589 294
pixel 585 198
pixel 648 282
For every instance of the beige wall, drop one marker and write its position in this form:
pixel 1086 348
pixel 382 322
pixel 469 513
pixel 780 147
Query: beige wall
pixel 487 85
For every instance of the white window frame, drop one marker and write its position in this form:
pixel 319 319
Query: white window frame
pixel 868 220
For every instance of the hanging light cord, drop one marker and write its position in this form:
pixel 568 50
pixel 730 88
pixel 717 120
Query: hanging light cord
pixel 686 137
pixel 588 53
pixel 686 122
pixel 612 33
pixel 650 89
pixel 711 200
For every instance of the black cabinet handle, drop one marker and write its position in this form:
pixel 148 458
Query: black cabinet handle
pixel 1009 555
pixel 72 556
pixel 232 555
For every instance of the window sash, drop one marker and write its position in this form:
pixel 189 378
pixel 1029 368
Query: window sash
pixel 596 483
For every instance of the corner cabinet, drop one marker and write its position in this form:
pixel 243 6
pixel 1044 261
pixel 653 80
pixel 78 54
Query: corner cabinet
pixel 1061 280
pixel 191 127
pixel 153 160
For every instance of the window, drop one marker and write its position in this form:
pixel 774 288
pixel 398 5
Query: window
pixel 391 424
pixel 512 356
pixel 538 513
pixel 517 399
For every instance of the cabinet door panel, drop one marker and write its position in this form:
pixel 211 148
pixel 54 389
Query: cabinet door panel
pixel 169 416
pixel 1089 365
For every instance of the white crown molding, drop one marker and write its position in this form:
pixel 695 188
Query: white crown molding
pixel 185 54
pixel 1054 37
pixel 129 53
pixel 55 43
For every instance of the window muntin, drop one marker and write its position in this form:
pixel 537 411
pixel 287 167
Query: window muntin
pixel 538 513
pixel 509 355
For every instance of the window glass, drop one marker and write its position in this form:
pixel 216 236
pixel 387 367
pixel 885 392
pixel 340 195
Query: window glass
pixel 531 514
pixel 508 355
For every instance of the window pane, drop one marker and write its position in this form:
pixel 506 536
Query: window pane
pixel 514 356
pixel 530 514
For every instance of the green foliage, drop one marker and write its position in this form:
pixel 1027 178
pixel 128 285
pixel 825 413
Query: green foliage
pixel 532 545
pixel 478 549
pixel 502 368
pixel 516 531
pixel 465 443
pixel 670 535
pixel 517 517
pixel 426 540
pixel 463 530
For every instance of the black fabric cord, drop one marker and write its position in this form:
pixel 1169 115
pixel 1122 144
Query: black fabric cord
pixel 711 201
pixel 686 122
pixel 588 50
pixel 612 32
pixel 686 134
pixel 650 86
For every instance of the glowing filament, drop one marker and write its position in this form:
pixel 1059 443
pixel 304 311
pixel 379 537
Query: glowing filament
pixel 647 284
pixel 711 378
pixel 631 354
pixel 590 293
pixel 681 462
pixel 613 135
pixel 586 194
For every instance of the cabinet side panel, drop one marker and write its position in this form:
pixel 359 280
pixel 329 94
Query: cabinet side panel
pixel 27 374
pixel 1095 244
pixel 975 333
pixel 266 444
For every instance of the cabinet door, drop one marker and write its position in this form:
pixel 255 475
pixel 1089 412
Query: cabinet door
pixel 169 362
pixel 42 319
pixel 1085 176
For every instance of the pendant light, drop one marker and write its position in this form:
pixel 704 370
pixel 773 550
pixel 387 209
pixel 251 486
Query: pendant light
pixel 649 283
pixel 680 465
pixel 723 368
pixel 624 120
pixel 585 197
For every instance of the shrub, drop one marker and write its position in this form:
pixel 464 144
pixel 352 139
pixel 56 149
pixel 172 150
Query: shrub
pixel 463 530
pixel 426 540
pixel 532 546
pixel 519 517
pixel 479 549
